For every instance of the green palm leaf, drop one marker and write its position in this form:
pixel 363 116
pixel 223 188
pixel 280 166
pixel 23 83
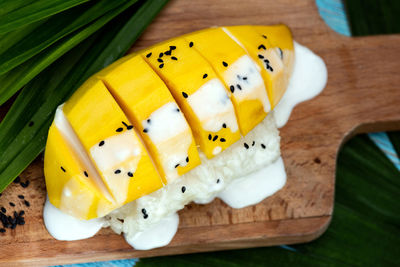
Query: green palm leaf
pixel 13 80
pixel 20 140
pixel 53 30
pixel 17 13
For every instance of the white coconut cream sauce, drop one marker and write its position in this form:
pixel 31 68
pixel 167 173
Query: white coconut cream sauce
pixel 246 82
pixel 65 227
pixel 308 80
pixel 213 106
pixel 169 131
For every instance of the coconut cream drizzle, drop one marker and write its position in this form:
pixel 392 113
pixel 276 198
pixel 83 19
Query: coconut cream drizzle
pixel 170 133
pixel 213 106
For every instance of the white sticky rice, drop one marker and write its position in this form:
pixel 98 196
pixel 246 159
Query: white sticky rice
pixel 201 184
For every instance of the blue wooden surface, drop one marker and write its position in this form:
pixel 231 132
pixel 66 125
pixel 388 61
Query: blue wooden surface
pixel 333 13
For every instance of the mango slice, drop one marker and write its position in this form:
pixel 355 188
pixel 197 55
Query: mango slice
pixel 260 49
pixel 111 143
pixel 149 105
pixel 281 40
pixel 200 94
pixel 70 189
pixel 239 73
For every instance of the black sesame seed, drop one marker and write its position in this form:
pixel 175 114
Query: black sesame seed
pixel 144 211
pixel 124 123
pixel 148 121
pixel 161 65
pixel 148 55
pixel 26 202
pixel 177 110
pixel 117 171
pixel 21 213
pixel 185 95
pixel 263 146
pixel 101 143
pixel 253 143
pixel 270 68
pixel 222 140
pixel 260 56
pixel 130 174
pixel 145 216
pixel 266 61
pixel 224 125
pixel 187 159
pixel 244 78
pixel 191 44
pixel 261 46
pixel 215 137
pixel 168 53
pixel 177 165
pixel 17 180
pixel 218 181
pixel 120 129
pixel 174 58
pixel 172 47
pixel 86 174
pixel 317 160
pixel 145 130
pixel 12 204
pixel 30 123
pixel 280 52
pixel 224 64
pixel 3 210
pixel 238 86
pixel 246 145
pixel 160 60
pixel 265 37
pixel 209 137
pixel 25 185
pixel 161 54
pixel 21 197
pixel 183 189
pixel 205 75
pixel 232 88
pixel 129 127
pixel 62 168
pixel 2 230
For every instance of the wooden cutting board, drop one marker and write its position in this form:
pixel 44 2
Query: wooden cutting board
pixel 363 94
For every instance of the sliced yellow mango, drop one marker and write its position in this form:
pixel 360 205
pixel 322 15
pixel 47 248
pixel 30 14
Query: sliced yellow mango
pixel 111 142
pixel 67 186
pixel 281 40
pixel 149 105
pixel 239 73
pixel 202 97
pixel 260 49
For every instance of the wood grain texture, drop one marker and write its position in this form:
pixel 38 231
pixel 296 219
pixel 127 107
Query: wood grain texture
pixel 362 95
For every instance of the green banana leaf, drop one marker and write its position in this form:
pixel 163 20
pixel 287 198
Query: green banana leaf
pixel 365 228
pixel 17 13
pixel 24 129
pixel 55 28
pixel 13 80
